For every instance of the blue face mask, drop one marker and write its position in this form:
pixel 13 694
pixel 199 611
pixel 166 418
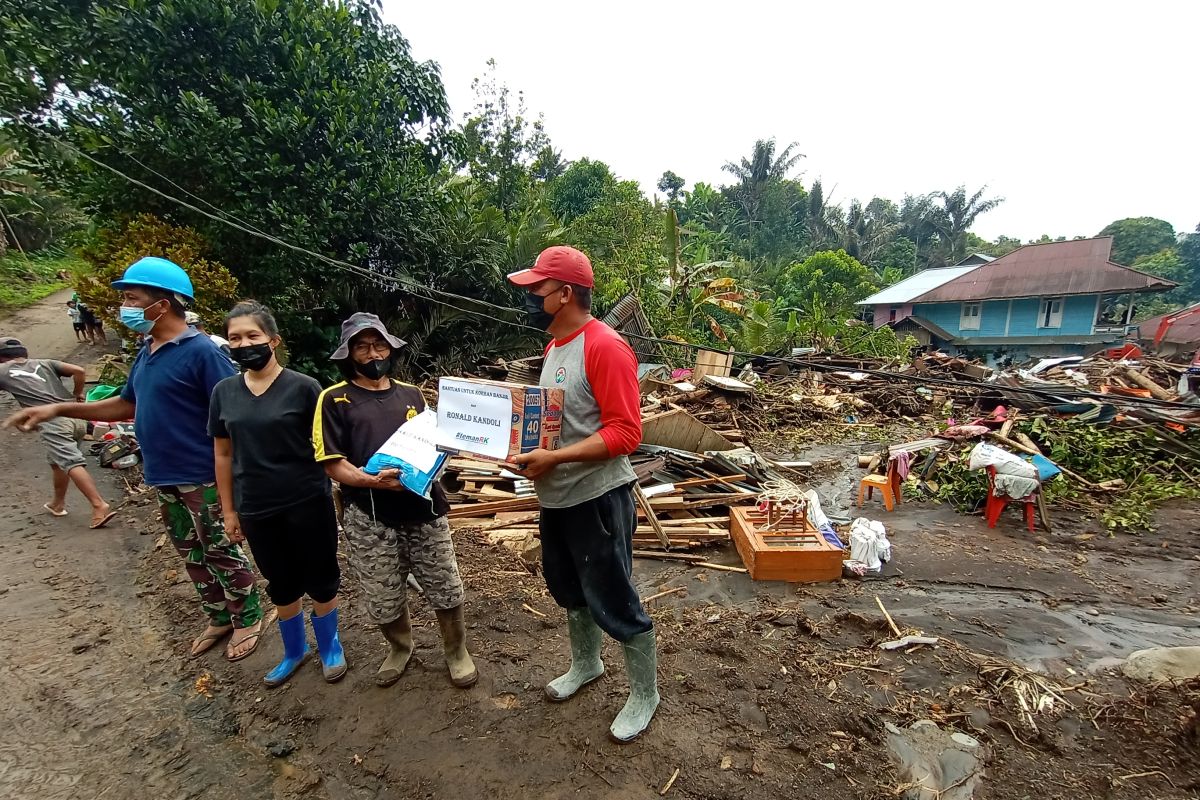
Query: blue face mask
pixel 135 319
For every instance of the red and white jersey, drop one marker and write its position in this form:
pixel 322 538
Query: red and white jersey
pixel 597 371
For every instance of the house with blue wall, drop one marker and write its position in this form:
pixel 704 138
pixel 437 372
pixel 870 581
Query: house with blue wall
pixel 1041 300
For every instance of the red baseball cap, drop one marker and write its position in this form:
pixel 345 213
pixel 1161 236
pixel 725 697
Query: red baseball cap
pixel 559 263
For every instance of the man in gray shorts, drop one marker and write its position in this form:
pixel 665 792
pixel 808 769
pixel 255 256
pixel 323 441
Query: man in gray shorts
pixel 38 382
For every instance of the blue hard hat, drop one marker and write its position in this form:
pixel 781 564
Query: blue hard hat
pixel 158 273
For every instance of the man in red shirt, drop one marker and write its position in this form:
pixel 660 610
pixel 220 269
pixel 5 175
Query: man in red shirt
pixel 588 515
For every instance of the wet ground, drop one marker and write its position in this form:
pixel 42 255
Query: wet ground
pixel 769 690
pixel 97 701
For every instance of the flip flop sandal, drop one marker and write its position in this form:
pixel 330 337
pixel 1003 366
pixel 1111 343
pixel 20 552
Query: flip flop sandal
pixel 263 624
pixel 62 513
pixel 251 638
pixel 107 519
pixel 208 641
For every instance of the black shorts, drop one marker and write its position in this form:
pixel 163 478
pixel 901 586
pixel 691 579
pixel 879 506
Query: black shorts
pixel 296 550
pixel 587 560
pixel 78 326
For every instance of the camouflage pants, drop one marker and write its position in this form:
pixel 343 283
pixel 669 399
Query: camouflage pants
pixel 382 558
pixel 218 568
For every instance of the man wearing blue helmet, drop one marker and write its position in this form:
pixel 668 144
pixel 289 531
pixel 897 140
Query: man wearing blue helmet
pixel 168 393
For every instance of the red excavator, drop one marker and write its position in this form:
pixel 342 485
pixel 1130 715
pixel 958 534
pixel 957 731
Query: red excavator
pixel 1171 319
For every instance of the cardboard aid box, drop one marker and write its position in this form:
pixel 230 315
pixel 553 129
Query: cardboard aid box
pixel 497 420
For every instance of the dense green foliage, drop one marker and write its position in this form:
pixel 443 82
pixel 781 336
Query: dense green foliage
pixel 27 279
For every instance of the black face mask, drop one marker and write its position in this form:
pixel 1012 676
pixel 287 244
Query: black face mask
pixel 252 357
pixel 536 313
pixel 374 370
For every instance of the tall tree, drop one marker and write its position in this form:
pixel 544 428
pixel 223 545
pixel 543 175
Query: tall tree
pixel 834 278
pixel 1135 237
pixel 755 174
pixel 958 213
pixel 671 185
pixel 505 149
pixel 311 121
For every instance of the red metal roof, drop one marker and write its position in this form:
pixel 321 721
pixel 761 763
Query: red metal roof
pixel 1041 270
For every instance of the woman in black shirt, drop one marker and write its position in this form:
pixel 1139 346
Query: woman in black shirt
pixel 273 492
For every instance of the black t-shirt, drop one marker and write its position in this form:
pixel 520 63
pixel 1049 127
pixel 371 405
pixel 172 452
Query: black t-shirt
pixel 273 466
pixel 353 423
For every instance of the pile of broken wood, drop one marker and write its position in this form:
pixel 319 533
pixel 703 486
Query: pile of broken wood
pixel 683 500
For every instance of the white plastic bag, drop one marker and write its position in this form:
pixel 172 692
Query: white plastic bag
pixel 412 450
pixel 988 455
pixel 869 544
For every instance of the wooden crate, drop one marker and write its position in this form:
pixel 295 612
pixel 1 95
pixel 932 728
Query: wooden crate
pixel 790 550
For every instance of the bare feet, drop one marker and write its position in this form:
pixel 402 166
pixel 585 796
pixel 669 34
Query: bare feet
pixel 244 641
pixel 207 640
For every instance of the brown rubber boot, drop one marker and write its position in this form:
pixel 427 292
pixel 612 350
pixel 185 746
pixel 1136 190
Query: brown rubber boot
pixel 454 637
pixel 398 632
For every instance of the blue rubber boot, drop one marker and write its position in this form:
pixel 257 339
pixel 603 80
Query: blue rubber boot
pixel 295 651
pixel 329 646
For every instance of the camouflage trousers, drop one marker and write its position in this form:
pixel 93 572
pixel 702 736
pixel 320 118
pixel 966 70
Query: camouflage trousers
pixel 218 568
pixel 382 558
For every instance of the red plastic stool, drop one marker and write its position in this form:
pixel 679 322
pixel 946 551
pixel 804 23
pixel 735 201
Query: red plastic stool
pixel 995 504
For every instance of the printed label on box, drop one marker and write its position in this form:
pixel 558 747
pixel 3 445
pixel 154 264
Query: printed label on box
pixel 474 417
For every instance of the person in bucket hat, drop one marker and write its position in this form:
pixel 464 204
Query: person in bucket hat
pixel 167 394
pixel 391 532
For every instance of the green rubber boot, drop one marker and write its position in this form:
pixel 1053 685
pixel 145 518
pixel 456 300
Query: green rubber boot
pixel 586 666
pixel 398 632
pixel 641 662
pixel 454 643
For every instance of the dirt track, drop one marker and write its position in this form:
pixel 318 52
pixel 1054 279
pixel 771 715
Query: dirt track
pixel 97 701
pixel 769 690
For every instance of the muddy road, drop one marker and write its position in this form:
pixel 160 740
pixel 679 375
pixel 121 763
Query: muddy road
pixel 98 701
pixel 769 690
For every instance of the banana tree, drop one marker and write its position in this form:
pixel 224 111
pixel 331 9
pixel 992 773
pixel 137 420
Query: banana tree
pixel 720 293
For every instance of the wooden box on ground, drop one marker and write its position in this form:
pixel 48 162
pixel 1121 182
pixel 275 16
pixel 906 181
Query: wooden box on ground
pixel 790 550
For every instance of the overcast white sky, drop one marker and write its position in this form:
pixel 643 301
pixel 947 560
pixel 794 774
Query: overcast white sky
pixel 1076 113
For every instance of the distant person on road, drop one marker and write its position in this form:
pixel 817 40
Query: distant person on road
pixel 193 319
pixel 273 492
pixel 38 382
pixel 585 487
pixel 167 394
pixel 92 324
pixel 391 532
pixel 76 321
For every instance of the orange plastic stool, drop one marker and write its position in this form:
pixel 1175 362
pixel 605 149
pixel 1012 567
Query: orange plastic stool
pixel 888 486
pixel 995 505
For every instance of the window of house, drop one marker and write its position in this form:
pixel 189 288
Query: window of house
pixel 1050 314
pixel 969 318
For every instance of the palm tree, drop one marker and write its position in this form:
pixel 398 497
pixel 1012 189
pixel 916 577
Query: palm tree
pixel 822 218
pixel 864 231
pixel 956 216
pixel 758 172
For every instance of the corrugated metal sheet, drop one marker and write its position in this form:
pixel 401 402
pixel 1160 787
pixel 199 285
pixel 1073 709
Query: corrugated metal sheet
pixel 1044 270
pixel 920 322
pixel 626 316
pixel 916 285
